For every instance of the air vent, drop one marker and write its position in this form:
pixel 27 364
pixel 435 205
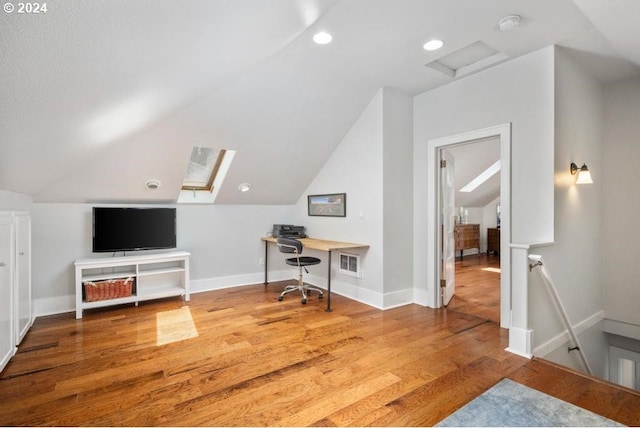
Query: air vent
pixel 470 59
pixel 350 265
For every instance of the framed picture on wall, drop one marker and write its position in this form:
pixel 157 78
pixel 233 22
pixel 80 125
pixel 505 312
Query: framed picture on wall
pixel 330 205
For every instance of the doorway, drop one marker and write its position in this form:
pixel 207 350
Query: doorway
pixel 475 167
pixel 435 238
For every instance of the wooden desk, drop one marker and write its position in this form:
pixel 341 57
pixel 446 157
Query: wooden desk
pixel 313 244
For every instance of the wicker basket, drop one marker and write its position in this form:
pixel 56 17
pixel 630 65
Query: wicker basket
pixel 111 289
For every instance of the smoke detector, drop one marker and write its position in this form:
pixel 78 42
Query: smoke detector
pixel 152 184
pixel 509 22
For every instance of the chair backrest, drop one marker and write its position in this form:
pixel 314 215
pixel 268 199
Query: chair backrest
pixel 289 245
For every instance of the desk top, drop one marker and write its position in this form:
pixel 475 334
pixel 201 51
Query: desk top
pixel 321 244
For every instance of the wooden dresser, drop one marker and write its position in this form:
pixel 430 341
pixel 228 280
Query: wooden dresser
pixel 467 236
pixel 493 240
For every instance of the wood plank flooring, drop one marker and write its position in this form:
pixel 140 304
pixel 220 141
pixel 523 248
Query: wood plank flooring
pixel 254 361
pixel 478 287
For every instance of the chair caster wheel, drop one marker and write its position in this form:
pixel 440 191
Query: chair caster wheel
pixel 303 301
pixel 280 298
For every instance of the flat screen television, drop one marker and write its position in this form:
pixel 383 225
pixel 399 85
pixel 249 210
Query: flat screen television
pixel 133 229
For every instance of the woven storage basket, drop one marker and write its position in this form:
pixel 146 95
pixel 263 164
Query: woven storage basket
pixel 111 289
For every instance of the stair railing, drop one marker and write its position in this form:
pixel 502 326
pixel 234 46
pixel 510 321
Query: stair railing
pixel 551 288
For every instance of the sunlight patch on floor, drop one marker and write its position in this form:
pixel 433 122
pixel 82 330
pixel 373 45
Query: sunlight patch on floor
pixel 174 326
pixel 491 269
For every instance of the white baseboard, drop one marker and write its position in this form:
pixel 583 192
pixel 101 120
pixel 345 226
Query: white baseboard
pixel 363 295
pixel 561 339
pixel 62 304
pixel 54 305
pixel 219 283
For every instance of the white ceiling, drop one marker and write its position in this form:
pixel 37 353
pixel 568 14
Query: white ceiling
pixel 470 160
pixel 96 97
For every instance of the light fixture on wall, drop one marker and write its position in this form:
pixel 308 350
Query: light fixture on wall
pixel 584 176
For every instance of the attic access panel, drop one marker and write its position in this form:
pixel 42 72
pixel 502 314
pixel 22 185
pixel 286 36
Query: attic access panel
pixel 469 59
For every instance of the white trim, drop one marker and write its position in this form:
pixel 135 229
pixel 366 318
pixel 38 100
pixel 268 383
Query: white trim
pixel 621 328
pixel 221 282
pixel 54 305
pixel 562 338
pixel 503 132
pixel 520 340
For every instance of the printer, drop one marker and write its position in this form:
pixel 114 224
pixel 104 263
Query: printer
pixel 288 231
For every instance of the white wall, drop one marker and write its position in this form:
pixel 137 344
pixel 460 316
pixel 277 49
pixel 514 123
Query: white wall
pixel 575 260
pixel 397 197
pixel 11 201
pixel 372 165
pixel 224 242
pixel 354 168
pixel 620 176
pixel 519 91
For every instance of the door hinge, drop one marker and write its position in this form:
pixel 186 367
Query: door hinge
pixel 443 163
pixel 443 283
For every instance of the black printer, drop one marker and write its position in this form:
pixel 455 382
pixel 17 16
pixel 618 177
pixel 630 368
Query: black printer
pixel 288 231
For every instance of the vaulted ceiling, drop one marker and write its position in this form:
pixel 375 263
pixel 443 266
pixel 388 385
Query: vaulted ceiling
pixel 96 97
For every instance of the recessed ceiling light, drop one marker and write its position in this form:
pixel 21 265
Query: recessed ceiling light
pixel 152 184
pixel 244 187
pixel 322 38
pixel 433 44
pixel 509 22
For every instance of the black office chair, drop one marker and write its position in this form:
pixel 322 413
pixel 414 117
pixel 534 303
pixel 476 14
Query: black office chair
pixel 293 246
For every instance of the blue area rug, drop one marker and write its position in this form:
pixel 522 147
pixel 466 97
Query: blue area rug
pixel 510 404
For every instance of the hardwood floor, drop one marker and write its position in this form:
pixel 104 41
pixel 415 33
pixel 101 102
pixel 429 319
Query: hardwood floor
pixel 239 357
pixel 478 287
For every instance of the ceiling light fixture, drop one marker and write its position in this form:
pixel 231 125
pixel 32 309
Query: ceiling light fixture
pixel 322 38
pixel 484 176
pixel 509 22
pixel 433 44
pixel 244 187
pixel 152 184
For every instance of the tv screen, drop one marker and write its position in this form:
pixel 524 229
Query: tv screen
pixel 131 229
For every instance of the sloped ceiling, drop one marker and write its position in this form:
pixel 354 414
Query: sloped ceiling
pixel 470 160
pixel 96 97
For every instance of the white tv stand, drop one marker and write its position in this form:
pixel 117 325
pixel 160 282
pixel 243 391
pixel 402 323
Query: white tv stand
pixel 156 276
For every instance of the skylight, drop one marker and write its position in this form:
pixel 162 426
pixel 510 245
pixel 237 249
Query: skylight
pixel 484 176
pixel 203 167
pixel 205 173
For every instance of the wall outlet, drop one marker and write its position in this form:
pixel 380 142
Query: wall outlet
pixel 361 274
pixel 261 261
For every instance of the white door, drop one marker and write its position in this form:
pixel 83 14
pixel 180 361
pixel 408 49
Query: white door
pixel 23 275
pixel 447 221
pixel 7 332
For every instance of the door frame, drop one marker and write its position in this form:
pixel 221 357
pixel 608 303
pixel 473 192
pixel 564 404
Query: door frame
pixel 503 133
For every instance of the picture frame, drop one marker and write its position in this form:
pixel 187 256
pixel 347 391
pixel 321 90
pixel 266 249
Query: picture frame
pixel 327 205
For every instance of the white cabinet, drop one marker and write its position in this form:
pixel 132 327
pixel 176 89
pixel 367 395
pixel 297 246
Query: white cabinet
pixel 7 329
pixel 156 276
pixel 15 281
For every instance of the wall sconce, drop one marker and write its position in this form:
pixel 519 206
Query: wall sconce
pixel 584 176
